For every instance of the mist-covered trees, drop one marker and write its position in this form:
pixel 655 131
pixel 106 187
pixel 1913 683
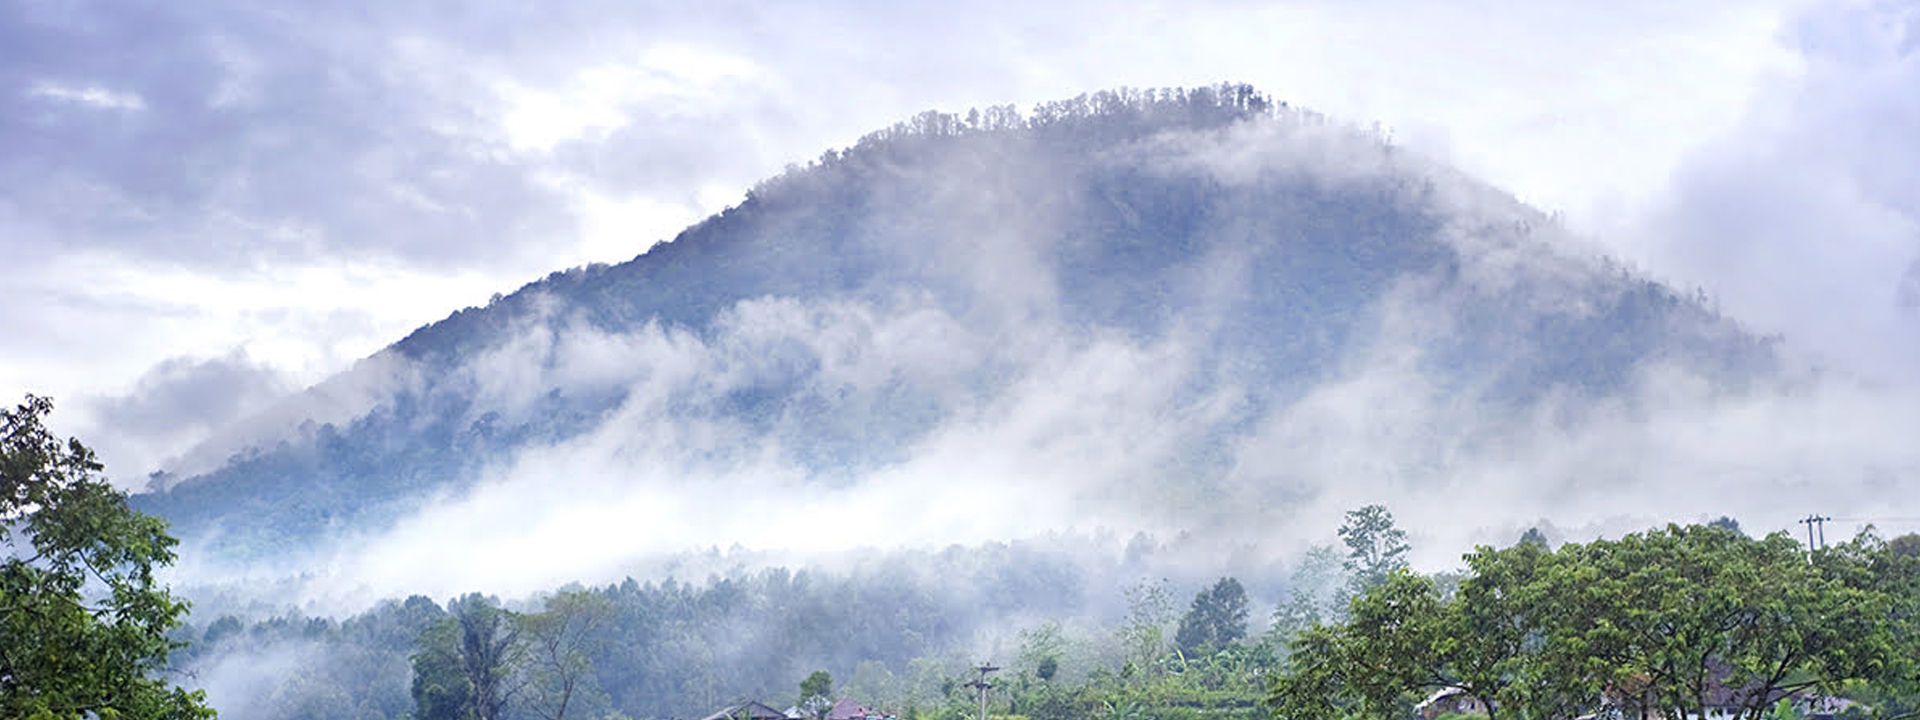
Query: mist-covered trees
pixel 1663 623
pixel 1116 201
pixel 470 664
pixel 1536 632
pixel 83 622
pixel 1217 617
pixel 816 693
pixel 1375 548
pixel 561 641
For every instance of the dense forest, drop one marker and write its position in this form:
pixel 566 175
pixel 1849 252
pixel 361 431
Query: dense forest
pixel 1271 246
pixel 833 354
pixel 1680 621
pixel 1676 620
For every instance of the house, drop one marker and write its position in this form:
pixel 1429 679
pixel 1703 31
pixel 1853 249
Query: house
pixel 847 709
pixel 1449 700
pixel 1722 701
pixel 748 711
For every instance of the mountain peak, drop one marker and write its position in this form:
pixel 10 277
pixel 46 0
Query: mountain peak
pixel 1184 265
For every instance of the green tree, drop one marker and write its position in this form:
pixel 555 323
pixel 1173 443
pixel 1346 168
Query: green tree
pixel 561 641
pixel 1534 536
pixel 1314 596
pixel 440 687
pixel 1040 651
pixel 83 622
pixel 469 664
pixel 1143 635
pixel 1907 545
pixel 1217 617
pixel 816 693
pixel 1654 623
pixel 1661 621
pixel 1727 523
pixel 1375 548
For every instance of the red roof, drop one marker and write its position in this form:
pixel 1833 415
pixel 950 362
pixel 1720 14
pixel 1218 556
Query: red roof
pixel 847 709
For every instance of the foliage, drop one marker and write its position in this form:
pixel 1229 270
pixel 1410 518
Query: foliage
pixel 1727 523
pixel 1217 617
pixel 1375 548
pixel 1535 537
pixel 816 693
pixel 470 663
pixel 1661 622
pixel 83 623
pixel 1143 635
pixel 1316 593
pixel 561 641
pixel 1536 632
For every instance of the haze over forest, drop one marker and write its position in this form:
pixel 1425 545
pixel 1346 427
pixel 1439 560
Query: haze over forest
pixel 953 376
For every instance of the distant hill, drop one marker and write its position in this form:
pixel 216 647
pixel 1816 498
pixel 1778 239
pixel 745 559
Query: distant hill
pixel 1262 247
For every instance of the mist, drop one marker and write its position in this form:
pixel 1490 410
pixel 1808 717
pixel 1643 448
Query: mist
pixel 977 402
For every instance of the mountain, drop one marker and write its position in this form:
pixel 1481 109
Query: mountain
pixel 1152 274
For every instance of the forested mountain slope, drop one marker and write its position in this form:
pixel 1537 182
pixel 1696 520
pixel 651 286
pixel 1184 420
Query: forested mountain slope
pixel 1197 259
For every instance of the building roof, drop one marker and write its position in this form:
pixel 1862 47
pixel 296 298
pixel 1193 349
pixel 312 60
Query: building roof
pixel 847 709
pixel 748 710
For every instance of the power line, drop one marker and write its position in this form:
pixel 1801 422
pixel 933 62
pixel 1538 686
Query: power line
pixel 1878 519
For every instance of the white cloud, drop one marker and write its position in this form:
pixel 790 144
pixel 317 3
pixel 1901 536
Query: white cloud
pixel 310 190
pixel 90 95
pixel 605 97
pixel 1800 220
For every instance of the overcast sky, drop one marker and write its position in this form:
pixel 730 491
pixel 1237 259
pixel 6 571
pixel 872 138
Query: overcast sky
pixel 206 204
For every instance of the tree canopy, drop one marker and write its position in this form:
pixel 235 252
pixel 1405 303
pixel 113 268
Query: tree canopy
pixel 1218 616
pixel 1375 548
pixel 1671 622
pixel 83 622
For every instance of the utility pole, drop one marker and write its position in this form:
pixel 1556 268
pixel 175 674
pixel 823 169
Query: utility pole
pixel 983 685
pixel 1815 523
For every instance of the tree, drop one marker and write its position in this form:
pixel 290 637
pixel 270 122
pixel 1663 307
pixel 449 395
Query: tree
pixel 1671 616
pixel 469 663
pixel 1404 637
pixel 1313 597
pixel 1907 545
pixel 1727 523
pixel 1143 635
pixel 560 642
pixel 1040 651
pixel 1217 617
pixel 816 693
pixel 1048 667
pixel 83 623
pixel 1652 624
pixel 1535 537
pixel 1375 548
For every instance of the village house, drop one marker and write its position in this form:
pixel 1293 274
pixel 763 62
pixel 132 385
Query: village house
pixel 1449 700
pixel 845 709
pixel 750 710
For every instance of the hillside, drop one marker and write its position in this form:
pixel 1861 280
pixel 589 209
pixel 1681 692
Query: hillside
pixel 1209 255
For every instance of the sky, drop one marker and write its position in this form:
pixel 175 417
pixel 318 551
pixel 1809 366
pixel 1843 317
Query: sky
pixel 206 205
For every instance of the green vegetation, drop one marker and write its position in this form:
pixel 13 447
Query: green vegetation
pixel 1675 623
pixel 83 623
pixel 1667 622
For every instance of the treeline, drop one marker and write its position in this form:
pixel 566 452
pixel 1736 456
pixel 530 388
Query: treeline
pixel 901 634
pixel 1697 621
pixel 1086 119
pixel 1673 622
pixel 664 649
